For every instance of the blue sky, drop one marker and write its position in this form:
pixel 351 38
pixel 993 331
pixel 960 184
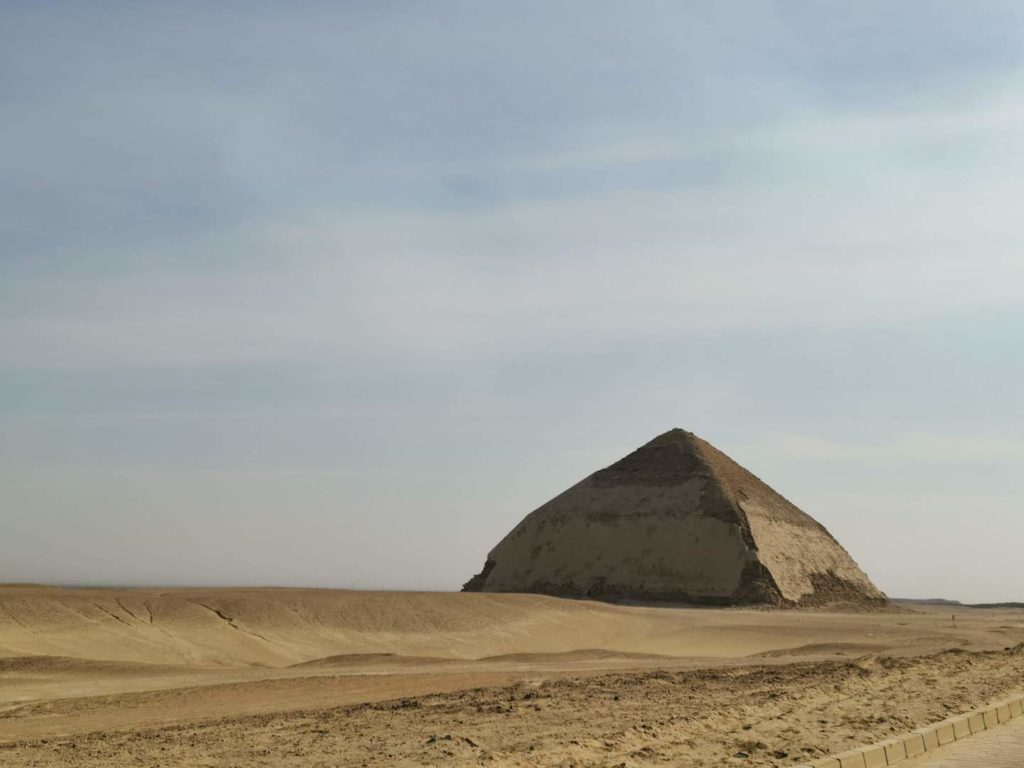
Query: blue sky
pixel 334 294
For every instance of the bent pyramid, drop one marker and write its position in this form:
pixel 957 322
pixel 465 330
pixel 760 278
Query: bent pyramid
pixel 676 520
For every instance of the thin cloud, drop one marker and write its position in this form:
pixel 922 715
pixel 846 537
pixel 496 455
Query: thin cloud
pixel 906 449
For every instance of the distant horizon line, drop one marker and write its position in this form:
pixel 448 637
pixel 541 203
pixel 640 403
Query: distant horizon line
pixel 100 585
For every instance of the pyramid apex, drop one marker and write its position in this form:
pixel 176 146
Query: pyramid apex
pixel 676 433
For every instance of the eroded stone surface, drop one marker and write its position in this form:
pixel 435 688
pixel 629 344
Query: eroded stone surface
pixel 676 520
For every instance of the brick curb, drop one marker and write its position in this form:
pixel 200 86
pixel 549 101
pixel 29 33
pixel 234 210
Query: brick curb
pixel 927 739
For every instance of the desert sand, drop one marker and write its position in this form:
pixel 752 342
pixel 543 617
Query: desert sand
pixel 289 677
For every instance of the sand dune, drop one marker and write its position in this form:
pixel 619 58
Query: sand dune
pixel 280 627
pixel 583 654
pixel 68 665
pixel 272 627
pixel 371 660
pixel 231 663
pixel 823 649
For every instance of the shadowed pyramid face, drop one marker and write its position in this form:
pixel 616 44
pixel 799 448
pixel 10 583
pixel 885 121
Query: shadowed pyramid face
pixel 675 520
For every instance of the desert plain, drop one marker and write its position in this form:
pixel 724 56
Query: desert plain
pixel 297 677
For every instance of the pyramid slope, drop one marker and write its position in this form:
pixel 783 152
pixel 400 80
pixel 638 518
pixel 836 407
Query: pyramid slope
pixel 804 559
pixel 675 520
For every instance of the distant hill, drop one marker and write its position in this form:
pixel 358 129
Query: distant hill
pixel 943 601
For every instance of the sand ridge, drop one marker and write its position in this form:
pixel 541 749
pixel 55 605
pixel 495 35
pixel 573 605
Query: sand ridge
pixel 262 677
pixel 280 627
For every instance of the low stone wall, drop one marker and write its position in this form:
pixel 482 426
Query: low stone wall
pixel 927 739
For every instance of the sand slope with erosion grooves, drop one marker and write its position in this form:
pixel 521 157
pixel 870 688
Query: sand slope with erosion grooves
pixel 117 676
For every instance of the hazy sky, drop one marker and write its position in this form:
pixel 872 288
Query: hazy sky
pixel 335 293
